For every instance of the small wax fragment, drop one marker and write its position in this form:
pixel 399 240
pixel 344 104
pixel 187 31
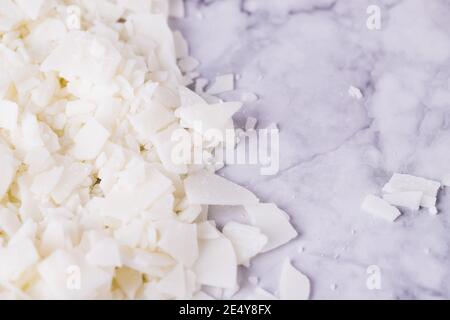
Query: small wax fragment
pixel 380 208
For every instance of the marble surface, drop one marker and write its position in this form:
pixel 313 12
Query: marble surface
pixel 300 57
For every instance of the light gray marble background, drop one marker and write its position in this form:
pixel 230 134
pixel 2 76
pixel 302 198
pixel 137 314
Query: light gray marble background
pixel 300 57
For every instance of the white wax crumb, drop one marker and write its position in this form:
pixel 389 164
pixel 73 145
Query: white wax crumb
pixel 380 208
pixel 355 92
pixel 221 84
pixel 406 182
pixel 333 286
pixel 293 285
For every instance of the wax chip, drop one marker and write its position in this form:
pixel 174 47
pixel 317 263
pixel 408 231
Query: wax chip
pixel 151 120
pixel 273 223
pixel 16 258
pixel 90 140
pixel 294 285
pixel 180 241
pixel 207 188
pixel 355 92
pixel 405 182
pixel 216 265
pixel 247 241
pixel 129 281
pixel 55 236
pixel 380 208
pixel 213 116
pixel 105 253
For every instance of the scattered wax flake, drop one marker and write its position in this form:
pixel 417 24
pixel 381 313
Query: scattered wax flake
pixel 215 116
pixel 273 222
pixel 221 84
pixel 207 188
pixel 216 265
pixel 247 240
pixel 406 182
pixel 380 208
pixel 294 285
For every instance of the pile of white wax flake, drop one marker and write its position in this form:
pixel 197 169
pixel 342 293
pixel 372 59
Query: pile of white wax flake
pixel 92 203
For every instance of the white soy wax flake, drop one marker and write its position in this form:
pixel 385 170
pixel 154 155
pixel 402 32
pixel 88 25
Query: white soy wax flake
pixel 92 203
pixel 221 84
pixel 380 208
pixel 294 285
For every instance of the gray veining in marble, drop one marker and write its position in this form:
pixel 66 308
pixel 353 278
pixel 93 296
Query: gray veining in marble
pixel 300 57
